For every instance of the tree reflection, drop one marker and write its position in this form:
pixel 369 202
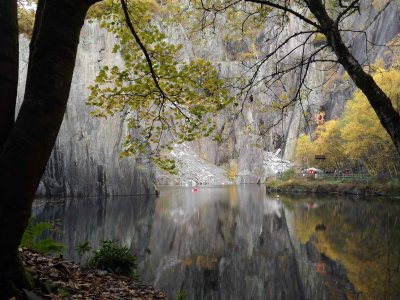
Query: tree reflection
pixel 363 237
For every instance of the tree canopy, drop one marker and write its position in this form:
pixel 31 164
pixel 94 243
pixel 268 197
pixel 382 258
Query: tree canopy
pixel 170 99
pixel 357 140
pixel 167 98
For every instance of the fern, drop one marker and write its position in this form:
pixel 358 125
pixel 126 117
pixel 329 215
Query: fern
pixel 33 237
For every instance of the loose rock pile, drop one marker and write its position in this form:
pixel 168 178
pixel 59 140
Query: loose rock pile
pixel 273 164
pixel 192 169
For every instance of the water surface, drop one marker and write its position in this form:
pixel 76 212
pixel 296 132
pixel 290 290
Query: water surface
pixel 237 242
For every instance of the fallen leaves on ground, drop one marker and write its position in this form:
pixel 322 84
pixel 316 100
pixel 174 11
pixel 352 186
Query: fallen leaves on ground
pixel 56 278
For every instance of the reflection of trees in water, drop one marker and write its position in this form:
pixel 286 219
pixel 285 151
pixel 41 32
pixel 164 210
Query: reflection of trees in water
pixel 233 243
pixel 364 237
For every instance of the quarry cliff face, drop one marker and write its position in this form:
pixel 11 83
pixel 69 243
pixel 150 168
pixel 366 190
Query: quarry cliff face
pixel 245 138
pixel 85 160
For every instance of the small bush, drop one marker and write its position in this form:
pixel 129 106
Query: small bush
pixel 115 259
pixel 288 174
pixel 83 248
pixel 33 237
pixel 233 170
pixel 273 183
pixel 180 295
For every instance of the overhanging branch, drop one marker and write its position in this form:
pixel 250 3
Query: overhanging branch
pixel 148 59
pixel 286 9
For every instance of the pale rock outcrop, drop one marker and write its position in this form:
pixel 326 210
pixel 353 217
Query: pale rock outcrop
pixel 192 169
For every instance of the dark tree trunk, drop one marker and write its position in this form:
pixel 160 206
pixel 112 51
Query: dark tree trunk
pixel 8 66
pixel 380 102
pixel 28 147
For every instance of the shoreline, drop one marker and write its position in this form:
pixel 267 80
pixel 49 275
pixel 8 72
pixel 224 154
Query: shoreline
pixel 320 187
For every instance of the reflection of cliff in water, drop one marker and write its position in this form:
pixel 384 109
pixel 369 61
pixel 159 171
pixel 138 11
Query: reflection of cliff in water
pixel 228 243
pixel 126 219
pixel 236 243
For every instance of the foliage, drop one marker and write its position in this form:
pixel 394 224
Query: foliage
pixel 244 19
pixel 304 151
pixel 357 140
pixel 288 174
pixel 365 140
pixel 33 237
pixel 293 59
pixel 180 295
pixel 233 170
pixel 56 278
pixel 26 19
pixel 165 164
pixel 319 37
pixel 167 102
pixel 115 259
pixel 166 99
pixel 329 143
pixel 363 238
pixel 83 248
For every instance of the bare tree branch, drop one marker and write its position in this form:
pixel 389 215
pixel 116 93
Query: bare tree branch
pixel 286 9
pixel 353 5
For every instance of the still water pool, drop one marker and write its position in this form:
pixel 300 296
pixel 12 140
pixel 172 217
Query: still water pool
pixel 237 242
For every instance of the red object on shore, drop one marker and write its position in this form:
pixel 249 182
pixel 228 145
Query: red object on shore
pixel 195 189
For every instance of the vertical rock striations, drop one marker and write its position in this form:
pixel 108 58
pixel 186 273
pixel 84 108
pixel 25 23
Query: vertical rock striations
pixel 380 28
pixel 85 160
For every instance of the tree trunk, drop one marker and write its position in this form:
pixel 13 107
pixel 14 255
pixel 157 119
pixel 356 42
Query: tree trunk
pixel 28 147
pixel 380 102
pixel 8 66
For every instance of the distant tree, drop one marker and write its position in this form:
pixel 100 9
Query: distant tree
pixel 323 26
pixel 26 144
pixel 329 25
pixel 365 140
pixel 329 143
pixel 178 110
pixel 357 140
pixel 26 17
pixel 304 152
pixel 321 38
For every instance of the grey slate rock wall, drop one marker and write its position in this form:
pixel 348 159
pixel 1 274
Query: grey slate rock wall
pixel 85 160
pixel 380 30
